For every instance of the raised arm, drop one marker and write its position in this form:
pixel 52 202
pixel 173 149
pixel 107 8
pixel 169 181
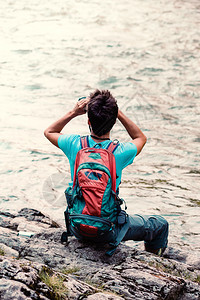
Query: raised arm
pixel 53 132
pixel 137 136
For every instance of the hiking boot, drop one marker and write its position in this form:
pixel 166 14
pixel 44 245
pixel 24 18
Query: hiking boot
pixel 158 251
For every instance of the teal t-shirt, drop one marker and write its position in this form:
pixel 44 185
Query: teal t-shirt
pixel 124 153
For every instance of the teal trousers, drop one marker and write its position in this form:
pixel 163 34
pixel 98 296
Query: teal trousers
pixel 152 229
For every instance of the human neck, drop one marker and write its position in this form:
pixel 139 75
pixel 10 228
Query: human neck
pixel 100 138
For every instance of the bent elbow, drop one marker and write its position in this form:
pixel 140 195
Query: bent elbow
pixel 46 133
pixel 145 139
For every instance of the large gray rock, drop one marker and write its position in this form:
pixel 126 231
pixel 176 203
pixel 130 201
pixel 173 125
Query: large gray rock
pixel 83 271
pixel 13 290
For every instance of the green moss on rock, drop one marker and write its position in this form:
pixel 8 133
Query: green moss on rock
pixel 55 282
pixel 2 252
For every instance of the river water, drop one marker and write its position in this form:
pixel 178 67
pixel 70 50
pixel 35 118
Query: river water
pixel 148 54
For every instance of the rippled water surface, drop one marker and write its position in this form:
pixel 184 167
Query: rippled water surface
pixel 148 54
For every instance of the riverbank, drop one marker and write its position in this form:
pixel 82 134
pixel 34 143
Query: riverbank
pixel 40 267
pixel 147 54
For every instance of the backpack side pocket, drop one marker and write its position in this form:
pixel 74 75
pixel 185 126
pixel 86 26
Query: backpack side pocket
pixel 68 195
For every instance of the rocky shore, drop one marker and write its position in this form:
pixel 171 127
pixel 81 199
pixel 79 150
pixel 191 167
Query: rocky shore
pixel 40 267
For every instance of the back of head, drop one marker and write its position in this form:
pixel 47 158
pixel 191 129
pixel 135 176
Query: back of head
pixel 102 112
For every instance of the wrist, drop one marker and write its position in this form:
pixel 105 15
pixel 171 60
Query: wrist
pixel 72 114
pixel 120 115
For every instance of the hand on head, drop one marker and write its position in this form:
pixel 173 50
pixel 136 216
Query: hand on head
pixel 81 106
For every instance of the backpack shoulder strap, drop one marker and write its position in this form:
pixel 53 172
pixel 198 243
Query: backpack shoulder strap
pixel 112 146
pixel 84 142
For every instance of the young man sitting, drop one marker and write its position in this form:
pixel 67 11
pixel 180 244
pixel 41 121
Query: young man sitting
pixel 102 110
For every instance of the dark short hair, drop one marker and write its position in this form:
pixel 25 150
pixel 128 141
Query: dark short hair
pixel 102 111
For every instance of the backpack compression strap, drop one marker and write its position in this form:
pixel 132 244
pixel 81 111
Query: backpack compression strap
pixel 120 236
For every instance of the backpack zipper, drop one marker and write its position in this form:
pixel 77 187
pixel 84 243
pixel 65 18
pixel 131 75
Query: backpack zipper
pixel 94 218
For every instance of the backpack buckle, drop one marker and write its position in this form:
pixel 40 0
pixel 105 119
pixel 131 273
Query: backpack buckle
pixel 115 142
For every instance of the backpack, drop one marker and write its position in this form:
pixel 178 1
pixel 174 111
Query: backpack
pixel 93 203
